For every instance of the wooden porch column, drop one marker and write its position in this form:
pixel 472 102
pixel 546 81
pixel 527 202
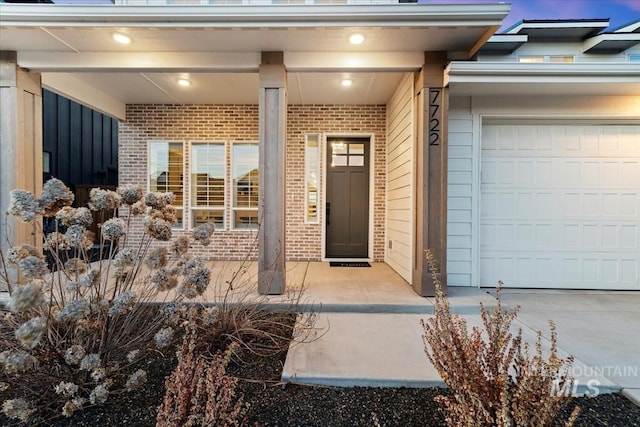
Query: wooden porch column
pixel 21 145
pixel 272 111
pixel 431 106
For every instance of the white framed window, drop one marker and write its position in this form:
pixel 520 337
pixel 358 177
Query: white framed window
pixel 312 177
pixel 634 57
pixel 244 175
pixel 208 165
pixel 166 172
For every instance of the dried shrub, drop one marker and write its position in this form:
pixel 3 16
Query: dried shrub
pixel 493 379
pixel 199 392
pixel 73 336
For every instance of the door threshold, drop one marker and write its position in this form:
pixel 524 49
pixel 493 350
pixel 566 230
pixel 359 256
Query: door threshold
pixel 347 260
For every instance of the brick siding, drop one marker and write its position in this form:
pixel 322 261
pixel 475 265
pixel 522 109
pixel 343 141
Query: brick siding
pixel 186 123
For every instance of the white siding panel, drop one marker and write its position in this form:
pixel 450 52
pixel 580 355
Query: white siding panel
pixel 559 206
pixel 400 164
pixel 459 197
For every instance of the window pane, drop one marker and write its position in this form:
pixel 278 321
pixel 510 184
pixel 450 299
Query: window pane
pixel 312 173
pixel 207 174
pixel 338 148
pixel 201 216
pixel 165 168
pixel 245 175
pixel 338 160
pixel 356 148
pixel 531 59
pixel 245 219
pixel 356 160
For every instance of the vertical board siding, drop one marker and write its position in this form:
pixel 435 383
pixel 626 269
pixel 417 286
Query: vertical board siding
pixel 400 163
pixel 83 143
pixel 460 188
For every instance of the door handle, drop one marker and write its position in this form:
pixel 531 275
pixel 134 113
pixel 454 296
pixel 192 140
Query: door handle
pixel 328 212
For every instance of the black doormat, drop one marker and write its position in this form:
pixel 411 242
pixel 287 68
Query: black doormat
pixel 349 264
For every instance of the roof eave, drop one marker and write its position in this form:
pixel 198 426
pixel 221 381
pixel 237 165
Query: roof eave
pixel 253 16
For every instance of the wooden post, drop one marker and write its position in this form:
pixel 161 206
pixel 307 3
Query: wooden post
pixel 431 106
pixel 272 112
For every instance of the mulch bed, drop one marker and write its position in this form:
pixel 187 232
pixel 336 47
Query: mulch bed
pixel 276 404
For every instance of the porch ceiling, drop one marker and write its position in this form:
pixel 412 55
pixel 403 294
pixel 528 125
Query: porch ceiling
pixel 218 49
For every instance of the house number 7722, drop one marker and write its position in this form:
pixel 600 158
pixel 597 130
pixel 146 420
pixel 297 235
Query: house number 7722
pixel 434 116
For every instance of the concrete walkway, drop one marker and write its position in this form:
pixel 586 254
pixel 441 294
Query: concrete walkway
pixel 371 340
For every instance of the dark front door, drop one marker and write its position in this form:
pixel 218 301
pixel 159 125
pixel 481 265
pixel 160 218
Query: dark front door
pixel 347 208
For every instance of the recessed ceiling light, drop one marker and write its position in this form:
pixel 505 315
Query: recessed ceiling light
pixel 346 82
pixel 184 82
pixel 121 38
pixel 356 38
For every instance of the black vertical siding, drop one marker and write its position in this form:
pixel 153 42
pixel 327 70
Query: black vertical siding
pixel 83 143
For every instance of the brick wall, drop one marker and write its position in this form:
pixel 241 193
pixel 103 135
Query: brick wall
pixel 240 123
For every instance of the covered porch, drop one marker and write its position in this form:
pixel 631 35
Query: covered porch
pixel 272 57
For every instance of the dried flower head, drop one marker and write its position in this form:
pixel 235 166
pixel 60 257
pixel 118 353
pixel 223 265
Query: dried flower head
pixel 113 229
pixel 156 258
pixel 99 395
pixel 203 232
pixel 180 245
pixel 23 204
pixel 98 374
pixel 74 354
pixel 169 213
pixel 18 409
pixel 72 406
pixel 163 337
pixel 136 380
pixel 75 266
pixel 33 267
pixel 73 311
pixel 90 362
pixel 17 361
pixel 196 279
pixel 89 279
pixel 78 237
pixel 158 228
pixel 138 208
pixel 26 297
pixel 55 195
pixel 209 315
pixel 130 193
pixel 164 280
pixel 16 253
pixel 159 200
pixel 132 356
pixel 192 264
pixel 30 333
pixel 74 216
pixel 66 389
pixel 55 242
pixel 122 303
pixel 124 258
pixel 100 199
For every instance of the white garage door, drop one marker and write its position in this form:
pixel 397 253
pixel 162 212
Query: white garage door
pixel 560 206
